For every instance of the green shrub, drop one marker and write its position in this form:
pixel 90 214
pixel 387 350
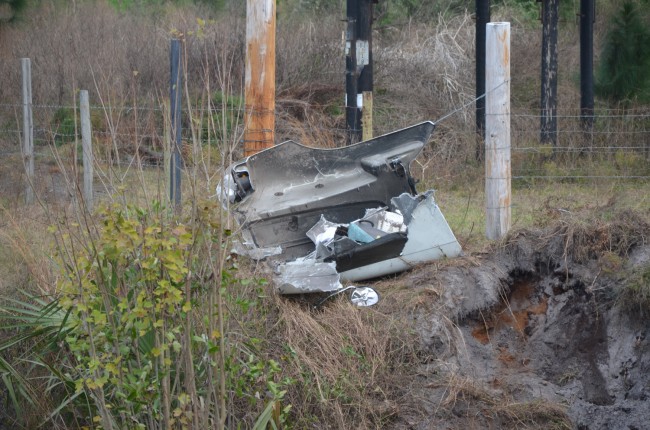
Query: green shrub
pixel 624 70
pixel 65 126
pixel 142 325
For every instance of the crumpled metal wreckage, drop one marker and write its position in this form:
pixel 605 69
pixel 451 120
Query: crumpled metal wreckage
pixel 332 215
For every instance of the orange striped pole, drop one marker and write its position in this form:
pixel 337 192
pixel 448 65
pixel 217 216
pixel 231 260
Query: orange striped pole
pixel 259 129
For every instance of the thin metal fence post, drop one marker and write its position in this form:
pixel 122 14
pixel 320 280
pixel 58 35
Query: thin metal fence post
pixel 167 147
pixel 497 131
pixel 87 147
pixel 28 130
pixel 175 98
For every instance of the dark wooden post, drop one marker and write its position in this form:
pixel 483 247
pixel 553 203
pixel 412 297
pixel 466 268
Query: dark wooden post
pixel 548 123
pixel 482 18
pixel 352 111
pixel 587 13
pixel 364 65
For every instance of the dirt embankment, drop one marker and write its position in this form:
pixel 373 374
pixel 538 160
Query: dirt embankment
pixel 547 332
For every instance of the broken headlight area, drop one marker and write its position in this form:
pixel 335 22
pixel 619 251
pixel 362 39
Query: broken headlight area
pixel 332 215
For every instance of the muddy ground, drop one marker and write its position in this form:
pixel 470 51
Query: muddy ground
pixel 537 334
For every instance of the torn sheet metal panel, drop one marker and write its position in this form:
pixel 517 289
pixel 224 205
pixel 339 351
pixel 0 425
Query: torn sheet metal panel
pixel 254 252
pixel 349 213
pixel 283 191
pixel 324 231
pixel 307 276
pixel 429 238
pixel 387 221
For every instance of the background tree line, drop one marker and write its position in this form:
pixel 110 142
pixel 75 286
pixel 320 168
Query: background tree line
pixel 623 64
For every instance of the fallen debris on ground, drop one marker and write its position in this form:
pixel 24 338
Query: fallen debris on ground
pixel 332 215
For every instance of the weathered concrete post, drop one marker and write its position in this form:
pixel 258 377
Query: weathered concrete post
pixel 86 143
pixel 497 130
pixel 28 130
pixel 259 131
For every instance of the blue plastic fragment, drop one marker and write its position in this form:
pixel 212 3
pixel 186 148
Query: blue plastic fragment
pixel 357 234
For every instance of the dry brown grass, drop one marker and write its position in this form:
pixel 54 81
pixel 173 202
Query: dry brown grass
pixel 486 407
pixel 350 363
pixel 422 72
pixel 598 231
pixel 24 250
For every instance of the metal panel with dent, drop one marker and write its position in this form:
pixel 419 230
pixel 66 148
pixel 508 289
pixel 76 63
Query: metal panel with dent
pixel 292 185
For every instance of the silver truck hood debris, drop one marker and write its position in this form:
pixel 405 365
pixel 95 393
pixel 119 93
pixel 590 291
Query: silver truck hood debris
pixel 307 276
pixel 428 238
pixel 350 211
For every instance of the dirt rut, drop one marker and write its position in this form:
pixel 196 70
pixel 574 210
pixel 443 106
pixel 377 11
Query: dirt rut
pixel 532 336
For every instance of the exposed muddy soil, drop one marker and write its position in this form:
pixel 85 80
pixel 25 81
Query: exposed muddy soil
pixel 535 336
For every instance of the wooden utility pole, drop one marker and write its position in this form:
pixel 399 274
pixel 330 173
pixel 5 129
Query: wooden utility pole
pixel 587 15
pixel 482 18
pixel 259 131
pixel 548 123
pixel 498 199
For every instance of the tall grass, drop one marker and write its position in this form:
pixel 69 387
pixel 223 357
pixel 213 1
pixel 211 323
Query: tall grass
pixel 153 326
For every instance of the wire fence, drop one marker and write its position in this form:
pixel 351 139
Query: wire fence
pixel 616 147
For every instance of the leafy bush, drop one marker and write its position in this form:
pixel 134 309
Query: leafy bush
pixel 65 125
pixel 9 9
pixel 142 311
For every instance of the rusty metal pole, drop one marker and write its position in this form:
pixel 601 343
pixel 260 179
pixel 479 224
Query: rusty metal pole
pixel 497 131
pixel 259 127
